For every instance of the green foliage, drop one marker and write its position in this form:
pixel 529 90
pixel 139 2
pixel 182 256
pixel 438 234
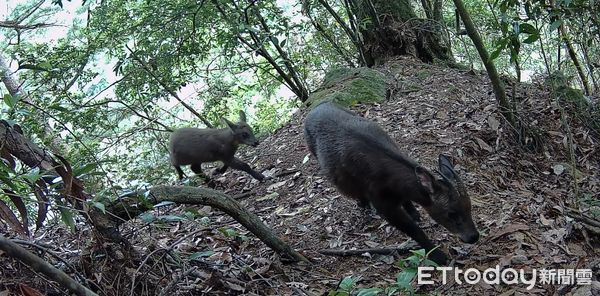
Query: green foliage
pixel 403 284
pixel 232 233
pixel 346 286
pixel 578 105
pixel 106 85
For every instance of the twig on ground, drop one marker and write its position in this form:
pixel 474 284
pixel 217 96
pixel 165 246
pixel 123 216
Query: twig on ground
pixel 400 249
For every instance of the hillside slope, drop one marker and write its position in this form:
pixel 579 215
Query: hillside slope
pixel 522 200
pixel 526 204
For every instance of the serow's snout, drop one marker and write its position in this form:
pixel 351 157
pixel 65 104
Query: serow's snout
pixel 255 144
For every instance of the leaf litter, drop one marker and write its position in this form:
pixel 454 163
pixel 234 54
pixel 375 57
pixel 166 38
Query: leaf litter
pixel 523 201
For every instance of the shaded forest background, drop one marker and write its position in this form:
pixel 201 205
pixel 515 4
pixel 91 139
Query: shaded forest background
pixel 91 90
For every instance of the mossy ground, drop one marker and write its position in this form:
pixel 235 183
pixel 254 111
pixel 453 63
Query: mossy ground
pixel 348 87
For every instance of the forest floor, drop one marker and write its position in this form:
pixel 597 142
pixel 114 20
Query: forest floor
pixel 523 200
pixel 525 203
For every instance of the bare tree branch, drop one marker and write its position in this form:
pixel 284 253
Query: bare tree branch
pixel 167 88
pixel 38 264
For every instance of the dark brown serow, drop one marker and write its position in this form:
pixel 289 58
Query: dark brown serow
pixel 364 163
pixel 194 146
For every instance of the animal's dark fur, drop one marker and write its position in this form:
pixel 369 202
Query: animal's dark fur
pixel 194 146
pixel 364 163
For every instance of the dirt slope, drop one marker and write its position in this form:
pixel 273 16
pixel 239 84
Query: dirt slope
pixel 520 198
pixel 522 203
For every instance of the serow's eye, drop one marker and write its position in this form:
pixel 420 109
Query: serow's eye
pixel 245 135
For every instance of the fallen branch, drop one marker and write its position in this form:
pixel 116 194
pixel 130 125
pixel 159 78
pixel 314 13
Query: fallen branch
pixel 243 195
pixel 400 249
pixel 579 216
pixel 223 202
pixel 285 173
pixel 38 264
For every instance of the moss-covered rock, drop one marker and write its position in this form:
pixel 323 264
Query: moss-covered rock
pixel 350 86
pixel 575 102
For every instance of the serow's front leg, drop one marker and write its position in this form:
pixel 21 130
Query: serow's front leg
pixel 242 166
pixel 397 216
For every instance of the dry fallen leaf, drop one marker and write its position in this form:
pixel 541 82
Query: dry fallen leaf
pixel 546 222
pixel 558 169
pixel 493 122
pixel 271 195
pixel 509 229
pixel 484 145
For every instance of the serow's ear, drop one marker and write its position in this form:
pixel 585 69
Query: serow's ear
pixel 446 167
pixel 230 124
pixel 425 179
pixel 242 116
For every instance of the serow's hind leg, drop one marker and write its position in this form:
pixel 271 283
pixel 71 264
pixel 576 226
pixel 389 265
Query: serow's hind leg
pixel 221 170
pixel 197 168
pixel 179 172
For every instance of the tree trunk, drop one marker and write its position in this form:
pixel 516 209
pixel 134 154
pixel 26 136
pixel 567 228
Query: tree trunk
pixel 14 89
pixel 497 85
pixel 392 28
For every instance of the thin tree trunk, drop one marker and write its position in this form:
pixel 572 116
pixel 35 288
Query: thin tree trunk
pixel 286 60
pixel 353 37
pixel 497 85
pixel 573 56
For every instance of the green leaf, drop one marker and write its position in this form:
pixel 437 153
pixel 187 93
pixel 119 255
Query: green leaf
pixel 420 252
pixel 204 221
pixel 496 53
pixel 85 169
pixel 532 38
pixel 348 283
pixel 428 262
pixel 228 232
pixel 501 46
pixel 171 218
pixel 201 254
pixel 45 65
pixel 10 101
pixel 66 215
pixel 369 292
pixel 274 40
pixel 192 213
pixel 58 107
pixel 163 203
pixel 555 25
pixel 148 217
pixel 406 276
pixel 100 206
pixel 33 175
pixel 57 2
pixel 528 28
pixel 391 290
